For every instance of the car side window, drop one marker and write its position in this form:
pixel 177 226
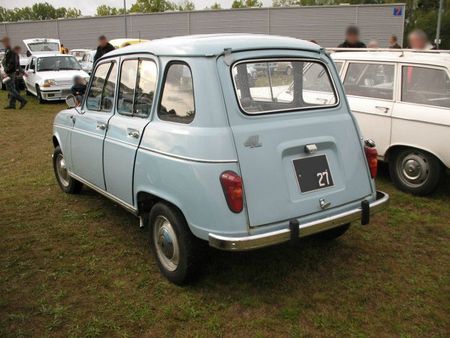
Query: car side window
pixel 101 93
pixel 423 85
pixel 375 80
pixel 177 100
pixel 128 75
pixel 137 87
pixel 145 88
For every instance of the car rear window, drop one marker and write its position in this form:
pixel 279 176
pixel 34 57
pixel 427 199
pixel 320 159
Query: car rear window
pixel 279 85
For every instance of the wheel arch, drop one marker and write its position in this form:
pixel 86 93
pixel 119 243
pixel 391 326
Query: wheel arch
pixel 146 199
pixel 397 147
pixel 55 140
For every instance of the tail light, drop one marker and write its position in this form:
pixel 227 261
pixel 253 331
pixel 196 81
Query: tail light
pixel 371 156
pixel 232 189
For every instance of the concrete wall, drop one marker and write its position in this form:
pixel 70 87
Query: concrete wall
pixel 325 24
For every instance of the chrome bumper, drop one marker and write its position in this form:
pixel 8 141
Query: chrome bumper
pixel 306 229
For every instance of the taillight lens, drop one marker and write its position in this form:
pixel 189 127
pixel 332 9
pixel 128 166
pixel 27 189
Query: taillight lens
pixel 372 157
pixel 232 189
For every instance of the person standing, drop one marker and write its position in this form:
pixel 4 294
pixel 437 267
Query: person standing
pixel 19 71
pixel 9 64
pixel 103 47
pixel 352 38
pixel 393 42
pixel 418 39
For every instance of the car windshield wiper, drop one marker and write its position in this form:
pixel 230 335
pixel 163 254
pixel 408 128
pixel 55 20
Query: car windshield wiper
pixel 67 68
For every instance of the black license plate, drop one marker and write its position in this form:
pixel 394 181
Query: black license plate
pixel 313 173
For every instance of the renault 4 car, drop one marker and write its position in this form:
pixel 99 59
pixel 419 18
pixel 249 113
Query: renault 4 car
pixel 176 132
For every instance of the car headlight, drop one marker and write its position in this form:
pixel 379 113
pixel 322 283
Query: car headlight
pixel 49 83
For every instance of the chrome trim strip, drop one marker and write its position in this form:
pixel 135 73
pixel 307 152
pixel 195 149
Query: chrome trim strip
pixel 123 204
pixel 275 237
pixel 184 158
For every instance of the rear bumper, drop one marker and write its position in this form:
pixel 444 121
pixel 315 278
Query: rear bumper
pixel 306 229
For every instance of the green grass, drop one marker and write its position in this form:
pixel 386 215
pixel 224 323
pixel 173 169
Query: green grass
pixel 80 265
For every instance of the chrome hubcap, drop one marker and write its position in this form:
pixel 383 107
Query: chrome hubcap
pixel 166 243
pixel 61 169
pixel 414 169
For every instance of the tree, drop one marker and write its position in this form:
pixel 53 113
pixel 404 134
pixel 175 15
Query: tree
pixel 39 11
pixel 146 6
pixel 186 5
pixel 104 10
pixel 216 6
pixel 246 3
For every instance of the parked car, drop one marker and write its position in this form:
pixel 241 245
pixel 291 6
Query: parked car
pixel 79 53
pixel 402 101
pixel 42 46
pixel 50 77
pixel 201 159
pixel 88 61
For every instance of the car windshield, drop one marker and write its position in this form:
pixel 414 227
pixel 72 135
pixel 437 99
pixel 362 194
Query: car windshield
pixel 43 46
pixel 272 86
pixel 56 63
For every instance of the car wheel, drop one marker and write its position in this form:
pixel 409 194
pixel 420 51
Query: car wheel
pixel 39 95
pixel 3 86
pixel 415 171
pixel 175 247
pixel 67 183
pixel 334 233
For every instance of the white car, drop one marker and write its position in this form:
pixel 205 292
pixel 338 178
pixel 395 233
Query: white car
pixel 50 77
pixel 79 53
pixel 38 46
pixel 87 61
pixel 401 100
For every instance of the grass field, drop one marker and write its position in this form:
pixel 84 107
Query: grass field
pixel 81 266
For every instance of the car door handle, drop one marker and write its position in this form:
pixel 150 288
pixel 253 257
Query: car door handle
pixel 133 133
pixel 101 126
pixel 384 109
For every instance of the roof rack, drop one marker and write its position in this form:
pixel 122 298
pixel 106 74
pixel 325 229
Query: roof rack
pixel 392 50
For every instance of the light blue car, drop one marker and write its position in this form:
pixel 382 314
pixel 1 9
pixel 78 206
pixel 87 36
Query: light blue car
pixel 176 132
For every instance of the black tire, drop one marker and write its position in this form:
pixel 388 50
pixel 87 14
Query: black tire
pixel 39 95
pixel 3 86
pixel 67 184
pixel 415 171
pixel 334 233
pixel 187 246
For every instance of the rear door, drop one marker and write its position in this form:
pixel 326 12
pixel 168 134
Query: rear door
pixel 370 91
pixel 137 86
pixel 298 147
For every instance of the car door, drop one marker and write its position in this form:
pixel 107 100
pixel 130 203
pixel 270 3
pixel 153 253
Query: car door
pixel 421 116
pixel 137 84
pixel 30 79
pixel 370 91
pixel 91 124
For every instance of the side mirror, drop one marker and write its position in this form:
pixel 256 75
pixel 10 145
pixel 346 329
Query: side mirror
pixel 28 53
pixel 71 101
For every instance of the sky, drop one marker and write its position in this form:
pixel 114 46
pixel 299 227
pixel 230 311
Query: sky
pixel 88 7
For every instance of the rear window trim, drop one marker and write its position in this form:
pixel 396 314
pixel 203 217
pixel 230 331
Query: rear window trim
pixel 289 110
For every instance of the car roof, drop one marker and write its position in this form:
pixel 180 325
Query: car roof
pixel 52 54
pixel 214 44
pixel 431 57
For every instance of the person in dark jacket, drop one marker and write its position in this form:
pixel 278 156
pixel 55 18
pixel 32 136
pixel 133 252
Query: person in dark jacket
pixel 103 47
pixel 20 84
pixel 352 38
pixel 393 42
pixel 9 64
